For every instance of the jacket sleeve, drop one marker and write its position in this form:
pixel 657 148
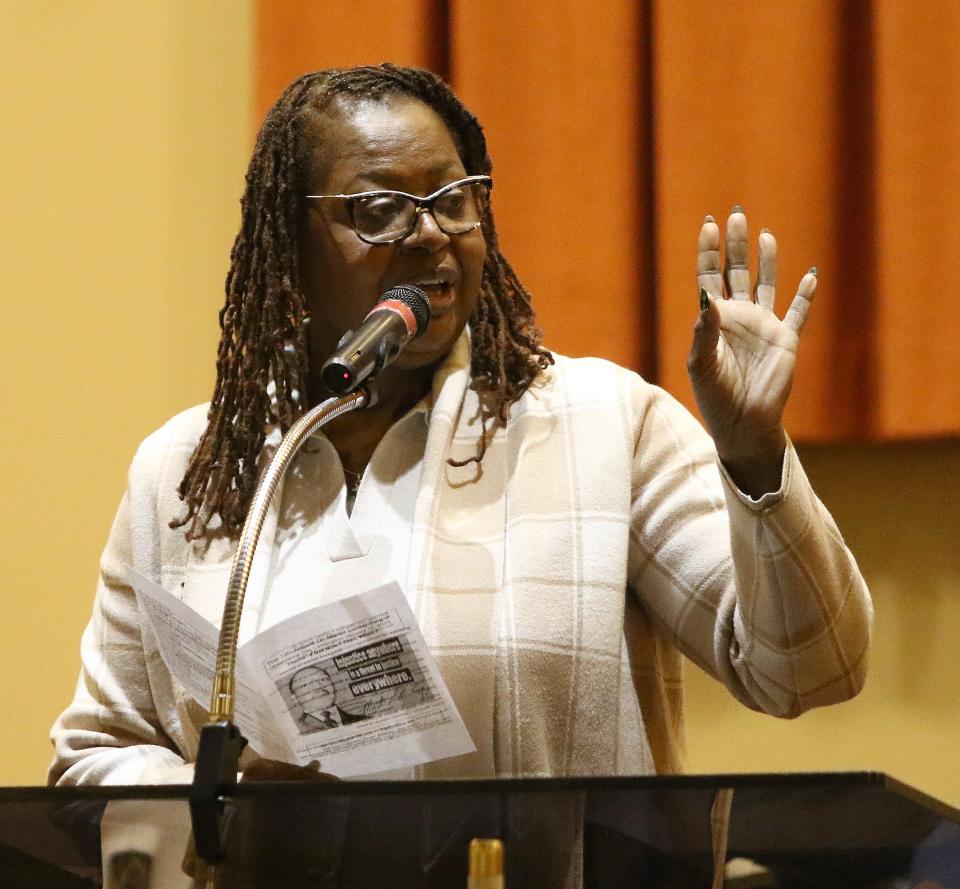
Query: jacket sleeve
pixel 763 594
pixel 111 733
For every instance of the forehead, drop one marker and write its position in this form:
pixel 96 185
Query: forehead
pixel 397 142
pixel 310 677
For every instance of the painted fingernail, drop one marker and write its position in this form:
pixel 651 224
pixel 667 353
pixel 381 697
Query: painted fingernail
pixel 737 209
pixel 704 300
pixel 813 271
pixel 708 218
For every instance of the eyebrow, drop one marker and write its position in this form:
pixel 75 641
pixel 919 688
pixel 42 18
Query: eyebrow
pixel 394 178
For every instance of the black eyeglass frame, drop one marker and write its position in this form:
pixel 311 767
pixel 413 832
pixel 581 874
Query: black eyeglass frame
pixel 421 205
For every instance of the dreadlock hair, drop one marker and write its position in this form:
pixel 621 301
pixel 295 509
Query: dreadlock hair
pixel 263 321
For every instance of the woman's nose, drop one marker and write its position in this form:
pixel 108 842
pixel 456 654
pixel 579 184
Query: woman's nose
pixel 426 234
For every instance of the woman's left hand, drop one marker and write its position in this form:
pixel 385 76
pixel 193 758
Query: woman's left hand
pixel 275 770
pixel 743 356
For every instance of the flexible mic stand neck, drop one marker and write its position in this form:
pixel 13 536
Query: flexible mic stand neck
pixel 221 742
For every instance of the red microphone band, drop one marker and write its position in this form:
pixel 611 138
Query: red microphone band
pixel 401 309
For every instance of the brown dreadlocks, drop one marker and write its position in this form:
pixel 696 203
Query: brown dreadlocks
pixel 263 319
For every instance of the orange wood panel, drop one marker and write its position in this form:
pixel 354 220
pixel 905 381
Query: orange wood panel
pixel 559 89
pixel 297 36
pixel 918 202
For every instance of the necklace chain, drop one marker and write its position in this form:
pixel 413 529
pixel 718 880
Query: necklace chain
pixel 352 478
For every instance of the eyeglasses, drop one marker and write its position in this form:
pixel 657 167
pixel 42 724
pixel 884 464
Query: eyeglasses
pixel 384 217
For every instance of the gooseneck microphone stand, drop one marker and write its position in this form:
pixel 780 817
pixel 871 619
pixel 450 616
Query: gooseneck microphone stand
pixel 400 315
pixel 221 742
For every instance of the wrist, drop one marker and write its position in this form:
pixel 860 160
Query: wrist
pixel 755 466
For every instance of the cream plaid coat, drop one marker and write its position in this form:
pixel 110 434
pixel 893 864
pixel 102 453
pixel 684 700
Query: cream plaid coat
pixel 557 586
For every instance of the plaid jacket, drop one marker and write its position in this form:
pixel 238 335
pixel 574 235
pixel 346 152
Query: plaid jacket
pixel 557 585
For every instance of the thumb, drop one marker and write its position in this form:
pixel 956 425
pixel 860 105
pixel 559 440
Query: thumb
pixel 706 335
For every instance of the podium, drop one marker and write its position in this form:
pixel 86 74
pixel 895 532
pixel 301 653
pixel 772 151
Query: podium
pixel 850 830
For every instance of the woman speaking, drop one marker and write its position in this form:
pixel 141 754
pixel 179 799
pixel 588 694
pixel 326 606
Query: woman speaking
pixel 562 529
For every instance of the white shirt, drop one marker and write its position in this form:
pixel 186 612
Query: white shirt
pixel 327 552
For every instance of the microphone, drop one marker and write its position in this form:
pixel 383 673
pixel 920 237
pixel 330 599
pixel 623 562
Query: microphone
pixel 400 315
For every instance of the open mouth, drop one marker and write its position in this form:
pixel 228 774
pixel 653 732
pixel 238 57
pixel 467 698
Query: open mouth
pixel 435 286
pixel 439 289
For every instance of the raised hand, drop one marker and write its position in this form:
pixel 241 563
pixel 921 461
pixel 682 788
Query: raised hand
pixel 743 356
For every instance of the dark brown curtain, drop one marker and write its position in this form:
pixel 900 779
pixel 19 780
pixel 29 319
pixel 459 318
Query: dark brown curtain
pixel 615 126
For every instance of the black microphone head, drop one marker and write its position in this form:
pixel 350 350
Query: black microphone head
pixel 400 315
pixel 416 299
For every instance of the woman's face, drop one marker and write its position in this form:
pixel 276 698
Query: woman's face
pixel 399 144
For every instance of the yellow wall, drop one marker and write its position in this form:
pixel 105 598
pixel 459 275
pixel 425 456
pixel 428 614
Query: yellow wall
pixel 124 140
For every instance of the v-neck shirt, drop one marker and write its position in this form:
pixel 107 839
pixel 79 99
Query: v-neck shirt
pixel 324 550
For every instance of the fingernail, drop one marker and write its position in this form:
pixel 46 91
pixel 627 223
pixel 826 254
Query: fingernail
pixel 709 218
pixel 737 209
pixel 764 231
pixel 704 300
pixel 813 271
